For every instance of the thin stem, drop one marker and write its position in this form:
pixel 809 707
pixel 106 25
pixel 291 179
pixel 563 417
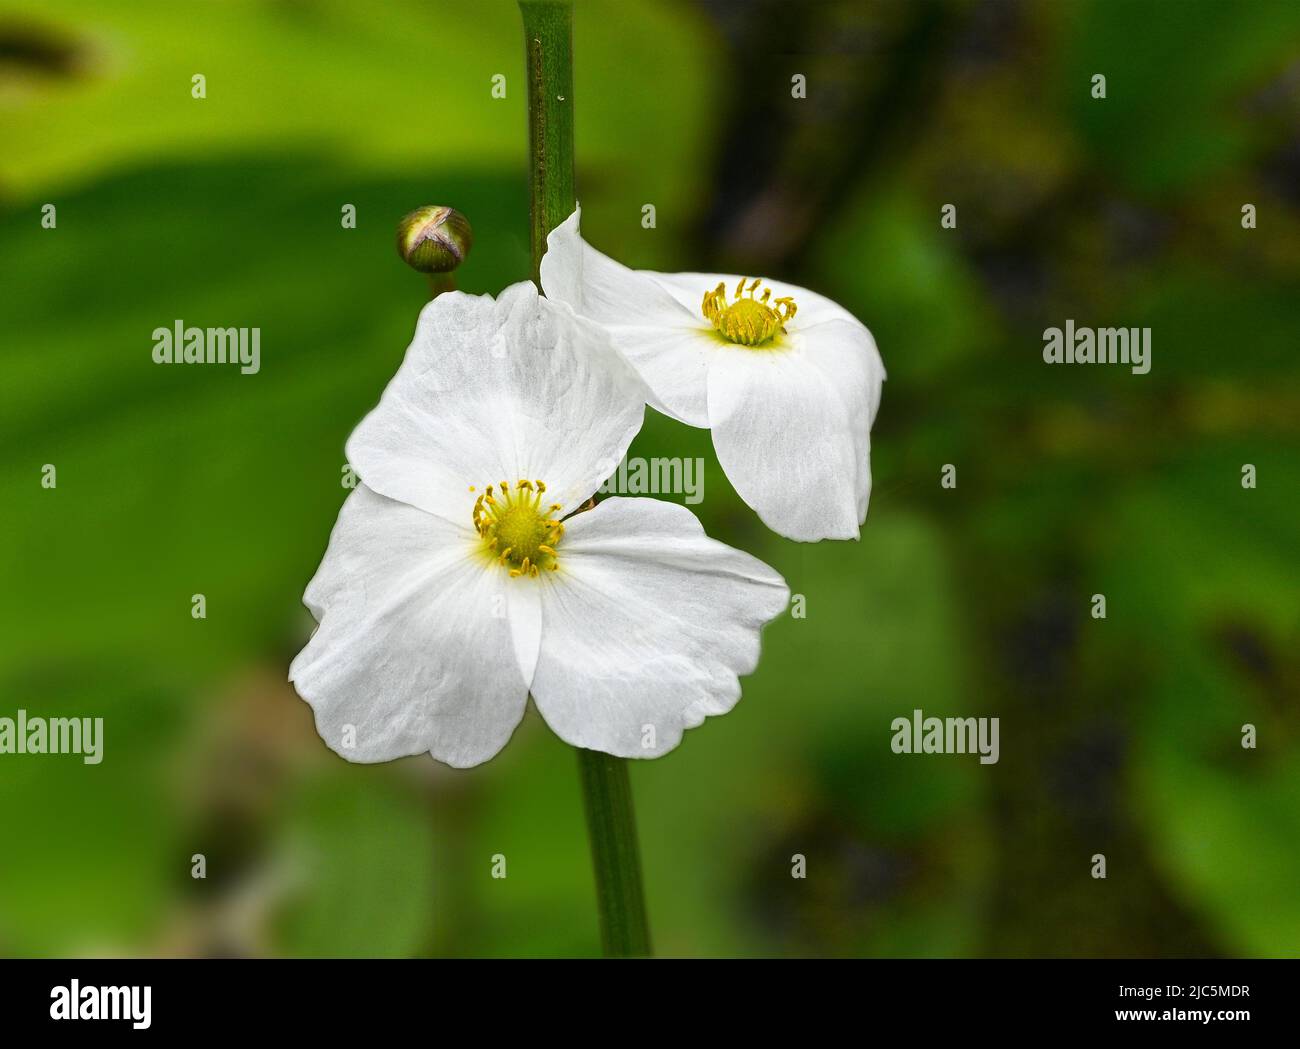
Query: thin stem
pixel 548 57
pixel 606 790
pixel 611 824
pixel 440 282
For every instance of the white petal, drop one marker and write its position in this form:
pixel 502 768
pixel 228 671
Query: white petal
pixel 667 343
pixel 645 627
pixel 415 648
pixel 524 607
pixel 791 427
pixel 845 352
pixel 499 390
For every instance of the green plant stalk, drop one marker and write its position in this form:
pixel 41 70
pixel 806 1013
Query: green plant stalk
pixel 606 789
pixel 611 825
pixel 548 58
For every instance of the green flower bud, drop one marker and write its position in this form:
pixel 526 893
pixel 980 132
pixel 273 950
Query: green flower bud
pixel 434 239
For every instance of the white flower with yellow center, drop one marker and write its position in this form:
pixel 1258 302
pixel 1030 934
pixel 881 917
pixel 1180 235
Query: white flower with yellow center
pixel 458 577
pixel 788 381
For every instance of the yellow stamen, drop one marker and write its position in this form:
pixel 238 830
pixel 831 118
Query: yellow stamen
pixel 747 321
pixel 516 525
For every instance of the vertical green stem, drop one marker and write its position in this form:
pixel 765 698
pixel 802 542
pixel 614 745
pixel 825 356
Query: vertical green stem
pixel 611 824
pixel 548 58
pixel 606 790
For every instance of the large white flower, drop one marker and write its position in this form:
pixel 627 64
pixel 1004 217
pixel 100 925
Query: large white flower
pixel 455 583
pixel 788 381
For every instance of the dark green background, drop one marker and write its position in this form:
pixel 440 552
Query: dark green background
pixel 1118 736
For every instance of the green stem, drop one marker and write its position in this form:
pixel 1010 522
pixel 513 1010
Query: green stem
pixel 440 282
pixel 548 58
pixel 607 796
pixel 606 790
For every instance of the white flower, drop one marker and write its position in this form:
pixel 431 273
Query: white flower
pixel 454 583
pixel 788 381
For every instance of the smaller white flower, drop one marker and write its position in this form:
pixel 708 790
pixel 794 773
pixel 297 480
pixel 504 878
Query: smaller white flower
pixel 788 381
pixel 455 580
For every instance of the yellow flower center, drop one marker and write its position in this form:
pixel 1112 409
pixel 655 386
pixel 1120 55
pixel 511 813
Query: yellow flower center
pixel 516 531
pixel 747 321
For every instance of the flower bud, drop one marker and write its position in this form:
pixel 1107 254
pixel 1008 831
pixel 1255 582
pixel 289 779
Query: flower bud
pixel 434 239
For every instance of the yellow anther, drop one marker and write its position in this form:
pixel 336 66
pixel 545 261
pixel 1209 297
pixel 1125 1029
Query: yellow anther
pixel 515 529
pixel 747 321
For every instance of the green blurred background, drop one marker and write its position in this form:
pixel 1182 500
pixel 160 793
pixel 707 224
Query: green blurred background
pixel 1118 736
